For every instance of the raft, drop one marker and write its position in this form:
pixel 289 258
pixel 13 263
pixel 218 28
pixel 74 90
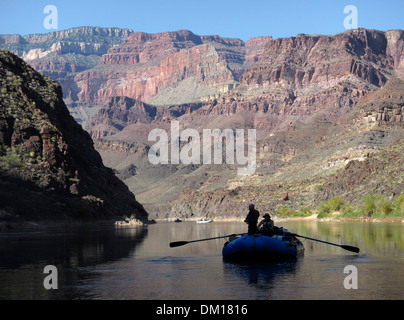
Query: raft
pixel 262 247
pixel 204 221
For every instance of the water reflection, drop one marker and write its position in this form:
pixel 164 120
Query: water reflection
pixel 139 264
pixel 74 252
pixel 373 238
pixel 263 276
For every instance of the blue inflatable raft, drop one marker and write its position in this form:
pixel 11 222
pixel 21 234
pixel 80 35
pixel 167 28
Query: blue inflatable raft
pixel 262 247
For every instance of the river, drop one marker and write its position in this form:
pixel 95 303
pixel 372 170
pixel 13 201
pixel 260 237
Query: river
pixel 137 263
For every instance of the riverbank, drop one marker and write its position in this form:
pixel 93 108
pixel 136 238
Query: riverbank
pixel 6 226
pixel 313 217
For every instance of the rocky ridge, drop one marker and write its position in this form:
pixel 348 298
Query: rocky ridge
pixel 49 168
pixel 63 54
pixel 68 51
pixel 94 64
pixel 158 66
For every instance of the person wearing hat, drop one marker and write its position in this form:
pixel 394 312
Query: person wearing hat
pixel 267 225
pixel 252 219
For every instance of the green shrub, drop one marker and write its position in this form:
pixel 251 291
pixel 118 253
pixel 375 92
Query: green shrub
pixel 376 205
pixel 398 206
pixel 292 213
pixel 325 209
pixel 12 159
pixel 351 211
pixel 304 211
pixel 372 206
pixel 285 212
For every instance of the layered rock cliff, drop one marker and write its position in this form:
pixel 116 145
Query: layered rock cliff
pixel 94 64
pixel 321 60
pixel 157 64
pixel 120 112
pixel 49 168
pixel 315 77
pixel 69 50
pixel 63 54
pixel 358 154
pixel 304 96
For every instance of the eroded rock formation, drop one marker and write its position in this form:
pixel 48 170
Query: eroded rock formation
pixel 48 165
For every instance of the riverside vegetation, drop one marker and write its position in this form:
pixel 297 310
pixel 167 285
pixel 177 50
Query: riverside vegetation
pixel 372 206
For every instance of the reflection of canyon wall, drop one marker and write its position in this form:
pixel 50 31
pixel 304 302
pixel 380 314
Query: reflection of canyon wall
pixel 73 253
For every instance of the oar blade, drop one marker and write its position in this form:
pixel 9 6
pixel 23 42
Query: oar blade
pixel 350 248
pixel 178 244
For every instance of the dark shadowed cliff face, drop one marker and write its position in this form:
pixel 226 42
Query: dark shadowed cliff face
pixel 49 168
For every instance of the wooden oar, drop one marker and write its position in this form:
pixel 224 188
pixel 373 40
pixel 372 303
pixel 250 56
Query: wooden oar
pixel 349 248
pixel 181 243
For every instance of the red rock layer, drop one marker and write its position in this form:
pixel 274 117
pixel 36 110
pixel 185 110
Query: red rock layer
pixel 146 64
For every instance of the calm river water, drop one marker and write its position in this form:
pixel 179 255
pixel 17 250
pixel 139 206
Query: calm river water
pixel 137 263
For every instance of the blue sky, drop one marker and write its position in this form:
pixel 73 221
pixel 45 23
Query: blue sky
pixel 236 19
